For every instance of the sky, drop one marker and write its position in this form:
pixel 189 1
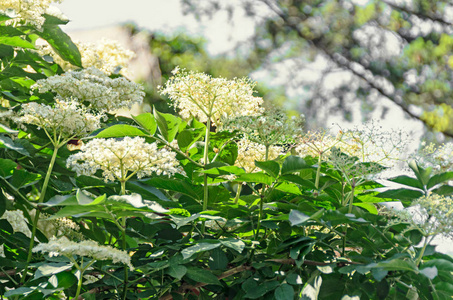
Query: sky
pixel 156 15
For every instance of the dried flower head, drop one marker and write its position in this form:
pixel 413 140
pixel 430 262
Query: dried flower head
pixel 201 96
pixel 65 119
pixel 120 159
pixel 271 127
pixel 106 55
pixel 63 246
pixel 93 87
pixel 29 11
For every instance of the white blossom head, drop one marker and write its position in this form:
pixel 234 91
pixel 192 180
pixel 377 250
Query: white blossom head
pixel 271 127
pixel 439 158
pixel 64 247
pixel 94 88
pixel 106 55
pixel 17 221
pixel 204 97
pixel 30 11
pixel 120 159
pixel 316 144
pixel 249 151
pixel 64 118
pixel 432 215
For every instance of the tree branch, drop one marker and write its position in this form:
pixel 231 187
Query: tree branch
pixel 346 63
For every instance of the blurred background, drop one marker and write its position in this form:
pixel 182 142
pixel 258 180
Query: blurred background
pixel 337 62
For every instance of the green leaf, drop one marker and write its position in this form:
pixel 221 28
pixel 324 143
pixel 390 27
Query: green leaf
pixel 401 194
pixel 146 121
pixel 310 292
pixel 61 43
pixel 66 280
pixel 218 260
pixel 15 145
pixel 398 265
pixel 224 170
pixel 200 247
pixel 234 244
pixel 176 270
pixel 7 167
pixel 168 125
pixel 298 180
pixel 256 177
pixel 2 203
pixel 176 185
pixel 296 217
pixel 368 206
pixel 81 210
pixel 16 41
pixel 188 137
pixel 406 180
pixel 51 268
pixel 83 199
pixel 260 290
pixel 439 178
pixel 120 130
pixel 293 164
pixel 443 266
pixel 4 129
pixel 270 167
pixel 22 178
pixel 421 174
pixel 201 275
pixel 59 200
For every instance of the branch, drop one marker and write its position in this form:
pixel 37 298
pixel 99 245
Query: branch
pixel 418 14
pixel 346 63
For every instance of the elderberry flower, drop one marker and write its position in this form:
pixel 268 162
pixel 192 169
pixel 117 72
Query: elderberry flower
pixel 432 215
pixel 317 144
pixel 65 118
pixel 93 87
pixel 29 11
pixel 249 151
pixel 439 158
pixel 121 159
pixel 106 55
pixel 206 98
pixel 270 128
pixel 64 247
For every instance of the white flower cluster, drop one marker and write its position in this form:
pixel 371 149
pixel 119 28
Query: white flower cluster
pixel 65 247
pixel 65 118
pixel 107 56
pixel 28 11
pixel 316 144
pixel 370 143
pixel 121 159
pixel 270 128
pixel 201 96
pixel 93 87
pixel 432 215
pixel 59 227
pixel 17 220
pixel 249 151
pixel 439 158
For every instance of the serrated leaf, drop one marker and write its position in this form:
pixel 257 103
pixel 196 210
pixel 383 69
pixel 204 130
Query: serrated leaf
pixel 61 43
pixel 406 180
pixel 398 265
pixel 234 244
pixel 168 125
pixel 146 121
pixel 177 271
pixel 293 164
pixel 15 145
pixel 218 260
pixel 201 275
pixel 270 167
pixel 200 247
pixel 51 268
pixel 401 194
pixel 256 177
pixel 7 167
pixel 16 41
pixel 422 174
pixel 188 137
pixel 83 199
pixel 260 290
pixel 120 130
pixel 296 217
pixel 439 178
